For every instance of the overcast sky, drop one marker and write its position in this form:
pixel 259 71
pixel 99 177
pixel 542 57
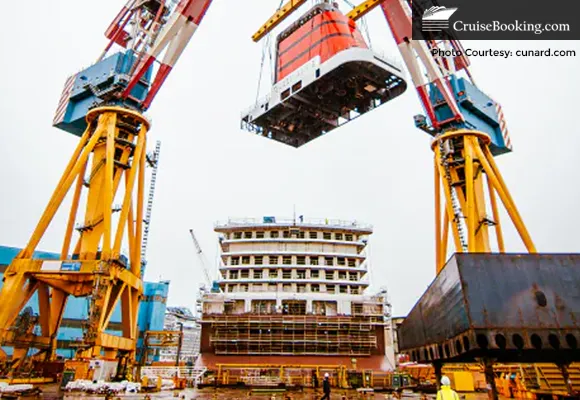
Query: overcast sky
pixel 377 169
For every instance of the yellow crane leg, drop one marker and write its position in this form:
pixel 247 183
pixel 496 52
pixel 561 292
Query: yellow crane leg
pixel 111 148
pixel 462 158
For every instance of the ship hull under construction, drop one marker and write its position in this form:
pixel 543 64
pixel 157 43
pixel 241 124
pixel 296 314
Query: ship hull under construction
pixel 292 301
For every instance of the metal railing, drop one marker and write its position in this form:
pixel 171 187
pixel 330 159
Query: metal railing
pixel 310 222
pixel 287 319
pixel 392 61
pixel 171 372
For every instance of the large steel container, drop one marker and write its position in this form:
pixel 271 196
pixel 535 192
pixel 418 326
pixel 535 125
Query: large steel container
pixel 510 307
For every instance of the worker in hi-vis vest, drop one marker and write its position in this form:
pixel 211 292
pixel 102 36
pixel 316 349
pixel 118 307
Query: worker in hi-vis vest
pixel 446 393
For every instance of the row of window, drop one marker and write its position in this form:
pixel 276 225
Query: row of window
pixel 296 274
pixel 289 260
pixel 297 234
pixel 310 288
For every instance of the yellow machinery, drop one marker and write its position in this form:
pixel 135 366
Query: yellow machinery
pixel 529 381
pixel 116 140
pixel 522 381
pixel 463 161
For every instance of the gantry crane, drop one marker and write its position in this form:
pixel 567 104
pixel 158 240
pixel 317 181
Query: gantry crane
pixel 104 106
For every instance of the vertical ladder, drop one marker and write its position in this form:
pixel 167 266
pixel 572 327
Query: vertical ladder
pixel 459 218
pixel 153 161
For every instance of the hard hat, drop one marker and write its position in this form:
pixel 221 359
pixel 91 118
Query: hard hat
pixel 326 375
pixel 445 381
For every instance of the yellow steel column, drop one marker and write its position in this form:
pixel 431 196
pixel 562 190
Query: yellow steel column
pixel 114 140
pixel 438 251
pixel 108 185
pixel 57 198
pixel 131 231
pixel 73 213
pixel 461 173
pixel 512 209
pixel 499 185
pixel 57 306
pixel 444 241
pixel 472 222
pixel 128 196
pixel 493 201
pixel 448 203
pixel 482 231
pixel 68 170
pixel 136 267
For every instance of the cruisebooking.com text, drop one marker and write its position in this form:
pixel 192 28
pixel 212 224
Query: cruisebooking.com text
pixel 503 53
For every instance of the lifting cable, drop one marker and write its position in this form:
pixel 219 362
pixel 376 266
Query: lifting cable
pixel 265 47
pixel 268 48
pixel 363 24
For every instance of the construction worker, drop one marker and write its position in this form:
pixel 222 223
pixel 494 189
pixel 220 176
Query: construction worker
pixel 314 379
pixel 326 387
pixel 446 393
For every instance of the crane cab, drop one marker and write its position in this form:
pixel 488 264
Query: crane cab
pixel 326 76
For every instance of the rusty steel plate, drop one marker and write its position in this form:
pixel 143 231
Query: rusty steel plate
pixel 509 307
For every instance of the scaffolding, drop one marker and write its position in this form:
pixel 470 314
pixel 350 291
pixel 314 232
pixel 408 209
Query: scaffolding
pixel 294 335
pixel 275 375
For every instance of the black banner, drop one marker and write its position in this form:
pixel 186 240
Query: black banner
pixel 496 19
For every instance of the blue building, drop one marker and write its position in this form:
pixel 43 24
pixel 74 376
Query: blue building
pixel 151 311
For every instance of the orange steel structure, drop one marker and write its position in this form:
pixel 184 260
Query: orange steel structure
pixel 112 149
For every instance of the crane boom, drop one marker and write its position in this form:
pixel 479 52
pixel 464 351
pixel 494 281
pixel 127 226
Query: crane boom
pixel 202 259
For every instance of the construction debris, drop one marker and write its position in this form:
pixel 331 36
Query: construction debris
pixel 102 387
pixel 17 390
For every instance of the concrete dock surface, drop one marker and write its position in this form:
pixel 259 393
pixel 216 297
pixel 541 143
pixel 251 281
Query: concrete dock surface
pixel 53 393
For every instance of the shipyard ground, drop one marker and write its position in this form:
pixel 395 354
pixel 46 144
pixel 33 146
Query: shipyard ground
pixel 52 392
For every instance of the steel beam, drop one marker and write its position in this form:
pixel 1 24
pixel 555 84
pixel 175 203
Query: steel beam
pixel 364 8
pixel 292 5
pixel 284 12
